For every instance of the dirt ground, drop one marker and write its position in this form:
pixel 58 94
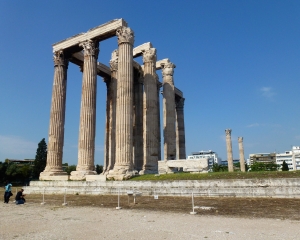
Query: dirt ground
pixel 96 217
pixel 276 208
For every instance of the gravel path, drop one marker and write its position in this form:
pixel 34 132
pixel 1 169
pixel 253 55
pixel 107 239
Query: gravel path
pixel 35 221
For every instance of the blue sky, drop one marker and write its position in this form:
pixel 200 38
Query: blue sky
pixel 237 63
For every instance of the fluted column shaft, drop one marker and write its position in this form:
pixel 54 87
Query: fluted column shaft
pixel 180 131
pixel 87 129
pixel 242 157
pixel 150 124
pixel 138 121
pixel 112 114
pixel 169 112
pixel 158 85
pixel 107 126
pixel 229 150
pixel 124 109
pixel 57 115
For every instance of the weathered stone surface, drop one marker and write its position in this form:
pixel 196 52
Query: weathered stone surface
pixel 90 178
pixel 101 32
pixel 200 165
pixel 242 157
pixel 229 150
pixel 275 188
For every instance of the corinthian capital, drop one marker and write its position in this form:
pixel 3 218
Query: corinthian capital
pixel 59 59
pixel 240 139
pixel 90 48
pixel 125 35
pixel 228 132
pixel 149 55
pixel 168 69
pixel 113 64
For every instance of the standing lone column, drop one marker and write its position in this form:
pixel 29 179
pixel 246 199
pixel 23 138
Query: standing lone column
pixel 242 157
pixel 180 131
pixel 150 124
pixel 169 111
pixel 124 120
pixel 229 150
pixel 57 120
pixel 87 128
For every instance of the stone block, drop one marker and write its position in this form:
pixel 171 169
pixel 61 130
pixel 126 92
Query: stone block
pixel 90 178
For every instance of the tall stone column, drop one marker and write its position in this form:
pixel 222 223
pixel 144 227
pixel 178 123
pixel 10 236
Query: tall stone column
pixel 169 111
pixel 57 121
pixel 124 120
pixel 229 150
pixel 150 124
pixel 111 114
pixel 87 128
pixel 180 131
pixel 107 126
pixel 158 85
pixel 138 120
pixel 242 157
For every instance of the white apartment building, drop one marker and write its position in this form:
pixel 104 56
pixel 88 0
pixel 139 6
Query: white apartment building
pixel 292 158
pixel 210 155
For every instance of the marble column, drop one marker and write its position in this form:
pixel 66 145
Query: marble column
pixel 229 150
pixel 169 111
pixel 158 85
pixel 87 128
pixel 112 98
pixel 180 131
pixel 242 157
pixel 107 127
pixel 150 124
pixel 138 120
pixel 124 120
pixel 57 120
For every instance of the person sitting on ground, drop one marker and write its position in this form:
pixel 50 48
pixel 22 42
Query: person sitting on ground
pixel 20 197
pixel 7 192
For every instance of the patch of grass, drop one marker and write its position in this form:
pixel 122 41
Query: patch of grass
pixel 216 175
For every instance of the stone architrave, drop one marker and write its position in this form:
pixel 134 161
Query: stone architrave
pixel 169 111
pixel 123 167
pixel 87 129
pixel 180 131
pixel 229 150
pixel 150 124
pixel 57 120
pixel 138 119
pixel 242 157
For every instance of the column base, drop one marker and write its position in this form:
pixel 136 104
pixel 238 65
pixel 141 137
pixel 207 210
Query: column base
pixel 81 175
pixel 148 171
pixel 121 175
pixel 54 176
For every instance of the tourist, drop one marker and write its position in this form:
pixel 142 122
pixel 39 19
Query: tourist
pixel 20 197
pixel 7 193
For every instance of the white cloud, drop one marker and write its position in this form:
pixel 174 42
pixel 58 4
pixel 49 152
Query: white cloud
pixel 267 92
pixel 253 125
pixel 16 147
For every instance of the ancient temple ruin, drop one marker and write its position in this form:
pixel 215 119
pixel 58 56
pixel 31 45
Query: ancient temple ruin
pixel 133 131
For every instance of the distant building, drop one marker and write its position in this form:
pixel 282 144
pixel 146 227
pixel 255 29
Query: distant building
pixel 210 155
pixel 20 162
pixel 225 162
pixel 262 158
pixel 292 158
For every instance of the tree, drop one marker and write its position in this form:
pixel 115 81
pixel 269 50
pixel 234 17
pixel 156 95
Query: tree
pixel 99 169
pixel 40 159
pixel 285 166
pixel 258 166
pixel 70 169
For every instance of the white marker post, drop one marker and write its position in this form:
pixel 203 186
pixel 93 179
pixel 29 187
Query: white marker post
pixel 118 207
pixel 65 203
pixel 193 212
pixel 43 197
